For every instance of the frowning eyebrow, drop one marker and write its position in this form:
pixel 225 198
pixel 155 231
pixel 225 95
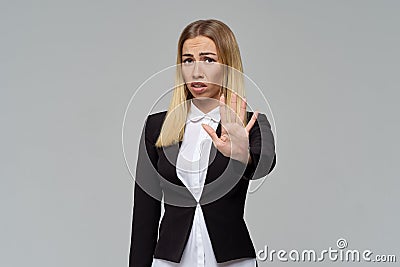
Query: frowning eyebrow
pixel 200 54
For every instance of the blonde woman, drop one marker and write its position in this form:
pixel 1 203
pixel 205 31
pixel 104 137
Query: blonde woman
pixel 199 156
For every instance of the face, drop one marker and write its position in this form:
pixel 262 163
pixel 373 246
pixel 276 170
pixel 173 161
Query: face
pixel 201 68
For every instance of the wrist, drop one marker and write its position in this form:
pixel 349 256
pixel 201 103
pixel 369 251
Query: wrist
pixel 246 159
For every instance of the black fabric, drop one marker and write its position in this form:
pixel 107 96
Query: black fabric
pixel 156 178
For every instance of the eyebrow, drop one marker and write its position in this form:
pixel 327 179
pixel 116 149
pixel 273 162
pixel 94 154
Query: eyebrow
pixel 200 54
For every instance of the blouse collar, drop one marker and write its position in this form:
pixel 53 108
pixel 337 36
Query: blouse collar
pixel 195 114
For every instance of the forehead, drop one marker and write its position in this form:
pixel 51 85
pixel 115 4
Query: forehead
pixel 199 43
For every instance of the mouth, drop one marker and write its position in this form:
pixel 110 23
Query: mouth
pixel 198 87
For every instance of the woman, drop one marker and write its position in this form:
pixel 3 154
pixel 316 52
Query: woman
pixel 199 156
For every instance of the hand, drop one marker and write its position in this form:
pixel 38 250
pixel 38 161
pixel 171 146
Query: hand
pixel 234 140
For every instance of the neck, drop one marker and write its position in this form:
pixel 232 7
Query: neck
pixel 205 104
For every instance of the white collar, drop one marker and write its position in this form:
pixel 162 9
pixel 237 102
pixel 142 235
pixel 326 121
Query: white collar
pixel 196 114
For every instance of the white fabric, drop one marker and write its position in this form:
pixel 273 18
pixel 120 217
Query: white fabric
pixel 192 163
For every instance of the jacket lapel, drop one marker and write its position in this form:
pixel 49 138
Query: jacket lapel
pixel 215 160
pixel 216 164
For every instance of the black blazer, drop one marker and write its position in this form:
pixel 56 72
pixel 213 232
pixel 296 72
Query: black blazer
pixel 222 200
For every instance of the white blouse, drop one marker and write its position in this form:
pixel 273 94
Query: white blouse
pixel 192 164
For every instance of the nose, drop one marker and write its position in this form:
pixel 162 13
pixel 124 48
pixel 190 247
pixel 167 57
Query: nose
pixel 197 70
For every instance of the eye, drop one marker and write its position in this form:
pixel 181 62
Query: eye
pixel 187 61
pixel 210 60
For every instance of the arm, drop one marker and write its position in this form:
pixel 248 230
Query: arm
pixel 147 203
pixel 262 151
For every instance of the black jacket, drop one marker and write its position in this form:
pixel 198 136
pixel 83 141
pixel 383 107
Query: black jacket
pixel 222 200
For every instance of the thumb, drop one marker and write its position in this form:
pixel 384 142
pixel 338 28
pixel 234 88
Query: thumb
pixel 210 132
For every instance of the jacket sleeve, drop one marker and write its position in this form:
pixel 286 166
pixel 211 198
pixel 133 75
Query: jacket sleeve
pixel 147 202
pixel 262 150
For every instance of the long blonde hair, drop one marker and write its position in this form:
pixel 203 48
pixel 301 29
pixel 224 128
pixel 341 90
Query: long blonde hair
pixel 228 51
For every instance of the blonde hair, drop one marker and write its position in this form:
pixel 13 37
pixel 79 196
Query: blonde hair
pixel 228 51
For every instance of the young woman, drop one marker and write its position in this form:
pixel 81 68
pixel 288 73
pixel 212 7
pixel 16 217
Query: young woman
pixel 199 156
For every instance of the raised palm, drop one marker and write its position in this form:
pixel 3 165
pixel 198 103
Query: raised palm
pixel 234 139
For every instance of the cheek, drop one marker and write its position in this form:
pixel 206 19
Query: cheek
pixel 215 76
pixel 186 74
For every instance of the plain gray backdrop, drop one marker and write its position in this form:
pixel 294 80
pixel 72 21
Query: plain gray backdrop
pixel 68 69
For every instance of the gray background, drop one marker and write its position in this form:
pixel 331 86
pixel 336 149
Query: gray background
pixel 69 68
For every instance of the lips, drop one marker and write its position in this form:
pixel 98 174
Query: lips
pixel 198 85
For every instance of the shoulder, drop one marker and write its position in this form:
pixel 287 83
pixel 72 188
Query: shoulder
pixel 155 119
pixel 153 124
pixel 261 125
pixel 261 117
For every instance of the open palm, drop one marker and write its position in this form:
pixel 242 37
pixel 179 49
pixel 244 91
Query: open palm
pixel 234 140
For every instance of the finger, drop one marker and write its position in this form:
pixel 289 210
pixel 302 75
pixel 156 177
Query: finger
pixel 222 108
pixel 252 121
pixel 233 107
pixel 222 111
pixel 211 133
pixel 224 131
pixel 243 110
